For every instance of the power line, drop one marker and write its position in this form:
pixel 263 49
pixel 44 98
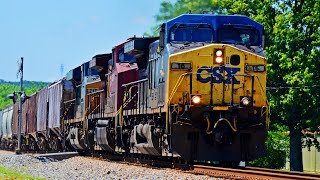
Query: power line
pixel 293 87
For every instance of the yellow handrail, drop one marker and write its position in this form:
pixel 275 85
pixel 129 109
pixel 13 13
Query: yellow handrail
pixel 175 88
pixel 234 127
pixel 208 127
pixel 267 112
pixel 181 77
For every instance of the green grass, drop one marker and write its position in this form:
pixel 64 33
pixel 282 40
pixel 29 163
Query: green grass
pixel 9 174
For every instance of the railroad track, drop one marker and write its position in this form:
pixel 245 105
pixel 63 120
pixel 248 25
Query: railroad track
pixel 229 173
pixel 251 173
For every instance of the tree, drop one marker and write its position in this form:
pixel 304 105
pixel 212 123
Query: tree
pixel 277 146
pixel 292 31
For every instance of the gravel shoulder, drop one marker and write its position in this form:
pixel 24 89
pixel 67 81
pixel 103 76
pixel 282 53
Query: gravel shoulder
pixel 86 168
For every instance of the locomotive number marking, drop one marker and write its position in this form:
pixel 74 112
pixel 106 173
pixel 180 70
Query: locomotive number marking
pixel 217 76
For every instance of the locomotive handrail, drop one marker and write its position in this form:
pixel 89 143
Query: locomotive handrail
pixel 181 77
pixel 267 107
pixel 94 109
pixel 101 90
pixel 233 128
pixel 134 82
pixel 123 106
pixel 87 113
pixel 65 102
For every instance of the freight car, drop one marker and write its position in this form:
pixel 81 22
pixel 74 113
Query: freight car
pixel 196 92
pixel 6 128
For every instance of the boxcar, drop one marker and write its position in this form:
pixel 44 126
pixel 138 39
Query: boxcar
pixel 41 125
pixel 57 94
pixel 15 117
pixel 32 115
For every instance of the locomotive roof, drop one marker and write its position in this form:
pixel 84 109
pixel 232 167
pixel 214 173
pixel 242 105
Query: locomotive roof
pixel 215 21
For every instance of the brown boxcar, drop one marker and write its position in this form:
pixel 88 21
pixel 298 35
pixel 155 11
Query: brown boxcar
pixel 55 99
pixel 15 119
pixel 25 107
pixel 32 114
pixel 42 100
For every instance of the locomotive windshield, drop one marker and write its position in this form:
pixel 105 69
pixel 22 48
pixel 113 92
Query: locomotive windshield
pixel 126 58
pixel 191 33
pixel 243 36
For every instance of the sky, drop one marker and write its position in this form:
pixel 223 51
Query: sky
pixel 69 32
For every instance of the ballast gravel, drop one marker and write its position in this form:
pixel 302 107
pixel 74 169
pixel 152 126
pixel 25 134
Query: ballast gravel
pixel 86 168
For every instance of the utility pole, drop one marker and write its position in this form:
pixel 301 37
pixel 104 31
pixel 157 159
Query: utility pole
pixel 18 150
pixel 61 70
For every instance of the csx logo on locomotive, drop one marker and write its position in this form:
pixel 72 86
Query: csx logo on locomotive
pixel 217 76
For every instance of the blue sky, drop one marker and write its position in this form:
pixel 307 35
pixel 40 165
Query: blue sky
pixel 50 33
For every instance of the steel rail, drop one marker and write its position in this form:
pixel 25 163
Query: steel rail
pixel 251 173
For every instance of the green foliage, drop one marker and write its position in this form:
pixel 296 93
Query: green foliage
pixel 9 174
pixel 8 88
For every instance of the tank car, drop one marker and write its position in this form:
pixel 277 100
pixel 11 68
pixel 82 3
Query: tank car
pixel 6 128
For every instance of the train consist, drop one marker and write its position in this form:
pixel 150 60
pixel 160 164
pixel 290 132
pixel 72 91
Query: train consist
pixel 196 92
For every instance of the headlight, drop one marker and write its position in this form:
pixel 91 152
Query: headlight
pixel 218 53
pixel 218 56
pixel 196 99
pixel 245 101
pixel 181 66
pixel 219 60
